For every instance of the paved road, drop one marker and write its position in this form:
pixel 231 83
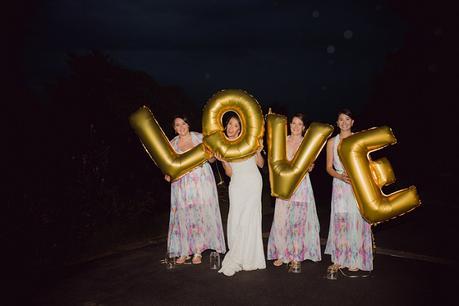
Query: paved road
pixel 415 265
pixel 138 278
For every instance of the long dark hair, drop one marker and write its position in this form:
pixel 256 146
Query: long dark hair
pixel 235 116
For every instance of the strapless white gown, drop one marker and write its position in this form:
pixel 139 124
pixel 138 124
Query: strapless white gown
pixel 244 233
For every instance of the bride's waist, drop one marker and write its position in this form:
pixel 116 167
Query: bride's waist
pixel 245 174
pixel 253 171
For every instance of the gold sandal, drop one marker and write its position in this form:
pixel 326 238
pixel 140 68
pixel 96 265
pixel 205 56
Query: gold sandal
pixel 353 269
pixel 295 267
pixel 334 267
pixel 197 259
pixel 181 260
pixel 278 263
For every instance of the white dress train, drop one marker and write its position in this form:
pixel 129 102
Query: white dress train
pixel 245 241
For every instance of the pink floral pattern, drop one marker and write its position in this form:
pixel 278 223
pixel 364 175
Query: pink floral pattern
pixel 295 230
pixel 349 238
pixel 195 221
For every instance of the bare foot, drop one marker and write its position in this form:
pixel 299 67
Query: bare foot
pixel 277 263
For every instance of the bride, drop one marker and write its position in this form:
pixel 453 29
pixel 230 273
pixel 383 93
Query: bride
pixel 245 240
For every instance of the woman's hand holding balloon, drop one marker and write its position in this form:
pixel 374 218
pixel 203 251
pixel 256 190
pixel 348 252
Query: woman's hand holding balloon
pixel 345 178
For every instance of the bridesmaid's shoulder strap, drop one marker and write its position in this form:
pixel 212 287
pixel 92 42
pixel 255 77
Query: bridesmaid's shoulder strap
pixel 197 137
pixel 174 140
pixel 337 139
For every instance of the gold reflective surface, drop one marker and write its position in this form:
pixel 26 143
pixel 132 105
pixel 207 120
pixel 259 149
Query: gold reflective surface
pixel 252 124
pixel 285 176
pixel 159 148
pixel 368 177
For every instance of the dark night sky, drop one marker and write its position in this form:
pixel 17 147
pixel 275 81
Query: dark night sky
pixel 313 56
pixel 391 62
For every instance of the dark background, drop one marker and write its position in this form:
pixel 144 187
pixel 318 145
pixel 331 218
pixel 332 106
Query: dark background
pixel 77 69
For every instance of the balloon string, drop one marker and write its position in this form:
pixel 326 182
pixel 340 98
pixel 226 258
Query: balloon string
pixel 220 178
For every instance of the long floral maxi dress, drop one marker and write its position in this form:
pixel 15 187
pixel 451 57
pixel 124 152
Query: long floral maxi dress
pixel 349 238
pixel 295 230
pixel 195 223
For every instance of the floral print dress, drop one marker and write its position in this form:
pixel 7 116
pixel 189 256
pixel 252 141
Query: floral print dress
pixel 349 238
pixel 195 223
pixel 295 230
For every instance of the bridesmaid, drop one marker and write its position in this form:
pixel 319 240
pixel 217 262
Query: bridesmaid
pixel 294 233
pixel 195 223
pixel 349 238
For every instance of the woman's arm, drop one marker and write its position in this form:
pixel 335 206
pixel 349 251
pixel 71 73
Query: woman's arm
pixel 330 168
pixel 226 165
pixel 259 159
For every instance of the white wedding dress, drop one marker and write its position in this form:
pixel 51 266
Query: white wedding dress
pixel 245 240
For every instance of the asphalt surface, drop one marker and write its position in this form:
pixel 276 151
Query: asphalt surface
pixel 401 276
pixel 415 264
pixel 139 278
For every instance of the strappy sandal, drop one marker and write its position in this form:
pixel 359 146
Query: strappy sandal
pixel 353 269
pixel 334 267
pixel 197 259
pixel 181 260
pixel 278 263
pixel 294 267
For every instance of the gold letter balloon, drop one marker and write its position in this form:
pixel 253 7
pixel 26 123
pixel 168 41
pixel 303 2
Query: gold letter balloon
pixel 159 148
pixel 285 176
pixel 368 177
pixel 252 129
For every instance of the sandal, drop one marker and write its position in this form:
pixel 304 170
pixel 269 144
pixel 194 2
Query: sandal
pixel 334 267
pixel 197 259
pixel 353 269
pixel 295 267
pixel 181 260
pixel 278 263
